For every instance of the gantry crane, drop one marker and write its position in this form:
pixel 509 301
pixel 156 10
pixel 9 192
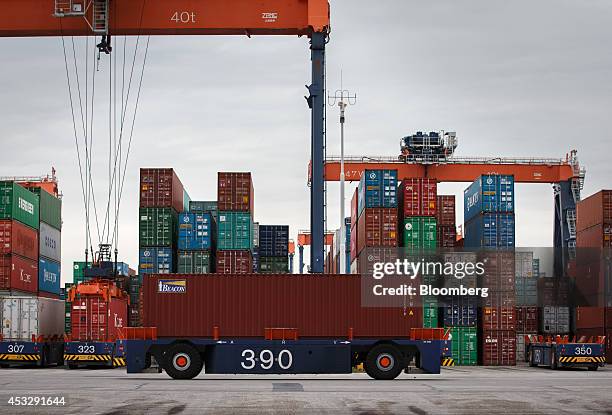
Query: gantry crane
pixel 305 239
pixel 565 174
pixel 46 182
pixel 108 18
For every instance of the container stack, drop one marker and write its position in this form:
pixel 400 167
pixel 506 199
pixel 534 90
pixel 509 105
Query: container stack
pixel 446 227
pixel 162 197
pixel 195 243
pixel 459 314
pixel 374 214
pixel 417 209
pixel 489 225
pixel 593 281
pixel 235 225
pixel 273 249
pixel 526 295
pixel 347 247
pixel 255 250
pixel 19 240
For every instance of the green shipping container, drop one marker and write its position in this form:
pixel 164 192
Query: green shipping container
pixel 419 232
pixel 464 345
pixel 273 265
pixel 430 312
pixel 200 206
pixel 158 227
pixel 194 262
pixel 50 208
pixel 78 270
pixel 18 203
pixel 234 231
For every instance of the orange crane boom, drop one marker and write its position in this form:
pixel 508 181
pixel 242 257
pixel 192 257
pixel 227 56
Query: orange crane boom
pixel 166 17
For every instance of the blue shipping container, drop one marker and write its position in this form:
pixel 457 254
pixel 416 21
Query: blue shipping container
pixel 273 240
pixel 195 231
pixel 123 269
pixel 156 261
pixel 255 256
pixel 377 188
pixel 49 276
pixel 347 233
pixel 489 193
pixel 459 311
pixel 490 230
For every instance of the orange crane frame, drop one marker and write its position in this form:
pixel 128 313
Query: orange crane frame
pixel 20 18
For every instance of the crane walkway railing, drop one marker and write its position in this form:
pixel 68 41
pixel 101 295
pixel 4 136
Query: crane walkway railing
pixel 453 160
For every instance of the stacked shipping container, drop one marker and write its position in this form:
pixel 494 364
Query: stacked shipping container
pixel 235 198
pixel 273 249
pixel 525 292
pixel 593 280
pixel 195 243
pixel 374 213
pixel 489 225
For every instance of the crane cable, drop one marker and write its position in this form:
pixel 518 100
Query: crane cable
pixel 117 163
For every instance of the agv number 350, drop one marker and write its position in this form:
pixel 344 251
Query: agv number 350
pixel 584 351
pixel 266 359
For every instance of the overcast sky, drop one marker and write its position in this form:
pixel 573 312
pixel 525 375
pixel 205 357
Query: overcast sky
pixel 520 78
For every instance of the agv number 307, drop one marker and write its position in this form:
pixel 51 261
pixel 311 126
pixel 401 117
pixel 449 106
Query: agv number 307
pixel 266 359
pixel 15 348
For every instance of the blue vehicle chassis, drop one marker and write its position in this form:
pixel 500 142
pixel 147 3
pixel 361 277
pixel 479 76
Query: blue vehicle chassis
pixel 106 354
pixel 39 353
pixel 258 356
pixel 558 355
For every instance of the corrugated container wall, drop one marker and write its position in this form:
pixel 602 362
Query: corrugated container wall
pixel 95 319
pixel 273 241
pixel 17 238
pixel 24 316
pixel 158 227
pixel 490 230
pixel 235 192
pixel 418 197
pixel 161 188
pixel 156 261
pixel 49 276
pixel 234 262
pixel 194 262
pixel 316 305
pixel 196 231
pixel 50 242
pixel 50 207
pixel 377 227
pixel 594 210
pixel 464 345
pixel 17 203
pixel 202 206
pixel 489 193
pixel 234 231
pixel 419 232
pixel 273 265
pixel 377 189
pixel 445 212
pixel 498 348
pixel 18 273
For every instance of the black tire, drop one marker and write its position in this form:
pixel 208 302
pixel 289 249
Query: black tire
pixel 593 368
pixel 5 366
pixel 384 362
pixel 531 360
pixel 183 361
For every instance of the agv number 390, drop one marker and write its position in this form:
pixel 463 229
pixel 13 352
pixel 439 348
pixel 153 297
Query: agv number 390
pixel 266 359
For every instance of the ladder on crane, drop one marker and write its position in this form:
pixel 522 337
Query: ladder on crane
pixel 79 8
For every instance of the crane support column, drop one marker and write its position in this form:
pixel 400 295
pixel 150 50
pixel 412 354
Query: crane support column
pixel 301 258
pixel 316 102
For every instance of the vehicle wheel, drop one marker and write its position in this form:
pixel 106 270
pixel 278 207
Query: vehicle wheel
pixel 182 361
pixel 593 368
pixel 553 362
pixel 531 360
pixel 384 362
pixel 4 366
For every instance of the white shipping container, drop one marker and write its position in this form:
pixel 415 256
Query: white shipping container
pixel 50 242
pixel 523 264
pixel 555 320
pixel 25 316
pixel 256 234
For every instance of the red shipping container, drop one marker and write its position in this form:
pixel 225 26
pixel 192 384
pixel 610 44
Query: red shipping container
pixel 161 188
pixel 446 235
pixel 377 227
pixel 596 236
pixel 234 262
pixel 527 320
pixel 418 197
pixel 364 264
pixel 499 271
pixel 17 238
pixel 496 298
pixel 18 273
pixel 592 278
pixel 92 318
pixel 235 192
pixel 498 348
pixel 594 210
pixel 318 306
pixel 48 295
pixel 354 232
pixel 590 317
pixel 498 318
pixel 354 209
pixel 445 210
pixel 553 292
